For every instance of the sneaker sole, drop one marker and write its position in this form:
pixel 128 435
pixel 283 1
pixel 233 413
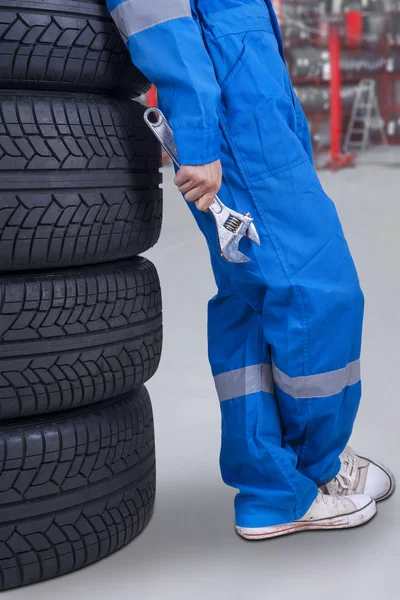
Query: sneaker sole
pixel 359 517
pixel 392 478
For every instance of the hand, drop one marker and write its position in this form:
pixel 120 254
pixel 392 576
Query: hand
pixel 200 184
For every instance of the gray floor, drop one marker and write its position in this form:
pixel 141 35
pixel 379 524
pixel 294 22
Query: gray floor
pixel 190 549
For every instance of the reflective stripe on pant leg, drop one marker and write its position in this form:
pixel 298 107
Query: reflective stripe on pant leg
pixel 320 385
pixel 245 381
pixel 260 378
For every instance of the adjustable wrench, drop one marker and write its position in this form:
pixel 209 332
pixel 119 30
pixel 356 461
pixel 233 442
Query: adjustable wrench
pixel 231 226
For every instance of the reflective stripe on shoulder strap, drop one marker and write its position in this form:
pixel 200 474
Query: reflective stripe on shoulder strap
pixel 133 16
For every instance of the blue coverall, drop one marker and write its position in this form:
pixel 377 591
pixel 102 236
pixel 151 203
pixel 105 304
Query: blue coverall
pixel 284 329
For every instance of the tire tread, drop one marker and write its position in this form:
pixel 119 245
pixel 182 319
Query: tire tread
pixel 48 310
pixel 79 181
pixel 112 438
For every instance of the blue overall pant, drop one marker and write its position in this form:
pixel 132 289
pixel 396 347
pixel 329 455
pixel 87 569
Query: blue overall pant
pixel 284 329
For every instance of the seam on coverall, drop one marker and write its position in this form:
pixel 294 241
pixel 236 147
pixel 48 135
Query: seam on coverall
pixel 309 430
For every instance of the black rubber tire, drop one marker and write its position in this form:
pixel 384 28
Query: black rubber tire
pixel 66 45
pixel 74 487
pixel 79 180
pixel 77 336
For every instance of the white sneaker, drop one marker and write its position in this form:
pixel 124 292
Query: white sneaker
pixel 360 475
pixel 326 512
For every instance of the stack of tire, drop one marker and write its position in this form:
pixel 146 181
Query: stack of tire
pixel 307 61
pixel 313 99
pixel 393 126
pixel 364 61
pixel 393 31
pixel 393 63
pixel 318 99
pixel 80 316
pixel 374 26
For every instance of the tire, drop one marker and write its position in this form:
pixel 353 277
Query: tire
pixel 75 487
pixel 66 45
pixel 73 337
pixel 79 181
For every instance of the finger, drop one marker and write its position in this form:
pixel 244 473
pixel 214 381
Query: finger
pixel 205 202
pixel 186 187
pixel 182 177
pixel 201 210
pixel 194 194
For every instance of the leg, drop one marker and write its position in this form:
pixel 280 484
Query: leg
pixel 253 457
pixel 260 452
pixel 316 352
pixel 312 312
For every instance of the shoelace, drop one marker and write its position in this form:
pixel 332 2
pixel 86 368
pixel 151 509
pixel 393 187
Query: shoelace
pixel 334 500
pixel 346 479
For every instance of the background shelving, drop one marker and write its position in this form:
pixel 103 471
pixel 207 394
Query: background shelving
pixel 369 31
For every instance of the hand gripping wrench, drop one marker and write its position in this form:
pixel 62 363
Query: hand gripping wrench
pixel 231 226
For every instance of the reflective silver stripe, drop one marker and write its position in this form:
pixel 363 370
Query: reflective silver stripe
pixel 134 16
pixel 318 386
pixel 242 382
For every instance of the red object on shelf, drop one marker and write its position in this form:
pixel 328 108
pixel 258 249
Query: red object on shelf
pixel 152 97
pixel 337 160
pixel 354 23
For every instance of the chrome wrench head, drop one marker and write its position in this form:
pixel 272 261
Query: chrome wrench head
pixel 232 254
pixel 231 225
